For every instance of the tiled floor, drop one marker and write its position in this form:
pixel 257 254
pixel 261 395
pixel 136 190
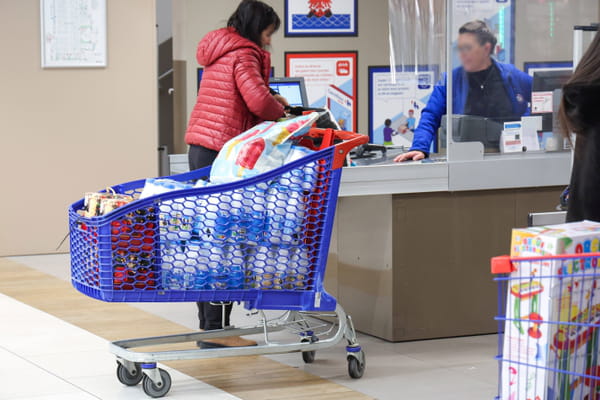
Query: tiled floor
pixel 41 355
pixel 462 368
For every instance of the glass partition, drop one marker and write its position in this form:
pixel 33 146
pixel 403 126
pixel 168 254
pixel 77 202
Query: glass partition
pixel 509 60
pixel 497 78
pixel 417 62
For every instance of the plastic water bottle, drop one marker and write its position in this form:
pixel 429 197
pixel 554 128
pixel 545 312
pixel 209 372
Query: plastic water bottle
pixel 201 277
pixel 310 176
pixel 177 277
pixel 235 279
pixel 189 277
pixel 221 229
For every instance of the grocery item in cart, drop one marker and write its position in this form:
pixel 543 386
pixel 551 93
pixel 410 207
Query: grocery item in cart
pixel 101 203
pixel 155 186
pixel 260 149
pixel 541 294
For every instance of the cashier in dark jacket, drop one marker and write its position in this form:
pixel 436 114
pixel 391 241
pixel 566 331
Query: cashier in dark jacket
pixel 481 86
pixel 580 114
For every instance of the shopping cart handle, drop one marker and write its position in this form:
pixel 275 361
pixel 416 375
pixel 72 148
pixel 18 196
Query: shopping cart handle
pixel 502 265
pixel 350 140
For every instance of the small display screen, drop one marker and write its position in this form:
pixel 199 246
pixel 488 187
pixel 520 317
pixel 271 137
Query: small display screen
pixel 290 90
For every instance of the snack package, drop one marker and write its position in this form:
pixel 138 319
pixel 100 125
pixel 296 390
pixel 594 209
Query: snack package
pixel 541 295
pixel 101 203
pixel 260 149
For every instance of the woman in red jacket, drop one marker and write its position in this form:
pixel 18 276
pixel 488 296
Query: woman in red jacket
pixel 234 96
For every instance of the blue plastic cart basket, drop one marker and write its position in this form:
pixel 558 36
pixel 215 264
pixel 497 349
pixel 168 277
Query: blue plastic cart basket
pixel 262 241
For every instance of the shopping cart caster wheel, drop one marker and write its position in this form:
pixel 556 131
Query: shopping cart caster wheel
pixel 154 390
pixel 356 368
pixel 309 356
pixel 127 378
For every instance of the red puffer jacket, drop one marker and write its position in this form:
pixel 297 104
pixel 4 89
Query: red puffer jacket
pixel 234 93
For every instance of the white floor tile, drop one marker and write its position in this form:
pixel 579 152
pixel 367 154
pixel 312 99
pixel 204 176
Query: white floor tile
pixel 449 369
pixel 60 361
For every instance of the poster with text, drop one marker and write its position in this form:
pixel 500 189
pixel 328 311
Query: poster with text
pixel 320 18
pixel 499 15
pixel 341 105
pixel 395 107
pixel 322 70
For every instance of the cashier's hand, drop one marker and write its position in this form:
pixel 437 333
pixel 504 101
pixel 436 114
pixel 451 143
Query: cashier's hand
pixel 281 100
pixel 410 156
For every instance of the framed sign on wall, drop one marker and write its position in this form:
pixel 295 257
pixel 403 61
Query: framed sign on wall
pixel 73 33
pixel 395 106
pixel 531 67
pixel 331 82
pixel 320 18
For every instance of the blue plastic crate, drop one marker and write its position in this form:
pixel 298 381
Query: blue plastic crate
pixel 263 241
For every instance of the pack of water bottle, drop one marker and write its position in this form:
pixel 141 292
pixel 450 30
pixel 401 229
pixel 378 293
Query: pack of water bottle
pixel 242 239
pixel 278 267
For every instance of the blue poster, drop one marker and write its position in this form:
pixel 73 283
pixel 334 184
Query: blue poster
pixel 320 18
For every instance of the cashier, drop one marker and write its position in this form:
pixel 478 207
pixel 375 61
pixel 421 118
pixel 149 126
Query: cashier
pixel 482 87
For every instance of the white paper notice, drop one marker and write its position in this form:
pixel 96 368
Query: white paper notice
pixel 73 33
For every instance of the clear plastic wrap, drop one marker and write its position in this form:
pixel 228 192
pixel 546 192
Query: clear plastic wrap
pixel 417 30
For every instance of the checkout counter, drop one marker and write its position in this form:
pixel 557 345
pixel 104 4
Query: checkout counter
pixel 409 258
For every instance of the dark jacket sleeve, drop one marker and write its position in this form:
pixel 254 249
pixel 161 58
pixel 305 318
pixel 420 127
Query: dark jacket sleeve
pixel 525 83
pixel 254 90
pixel 431 118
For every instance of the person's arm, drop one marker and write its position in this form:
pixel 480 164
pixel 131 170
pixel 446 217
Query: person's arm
pixel 254 90
pixel 431 118
pixel 526 84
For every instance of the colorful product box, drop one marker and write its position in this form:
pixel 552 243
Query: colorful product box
pixel 541 295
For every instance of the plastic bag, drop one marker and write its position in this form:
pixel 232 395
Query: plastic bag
pixel 260 149
pixel 152 187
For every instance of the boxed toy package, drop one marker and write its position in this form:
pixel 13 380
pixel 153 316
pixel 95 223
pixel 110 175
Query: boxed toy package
pixel 552 315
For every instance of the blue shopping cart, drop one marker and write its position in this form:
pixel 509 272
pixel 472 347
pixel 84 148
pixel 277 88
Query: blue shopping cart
pixel 549 325
pixel 262 241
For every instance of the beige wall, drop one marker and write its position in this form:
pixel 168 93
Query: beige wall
pixel 67 131
pixel 193 19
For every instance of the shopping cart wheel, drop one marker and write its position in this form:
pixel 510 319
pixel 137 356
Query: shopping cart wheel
pixel 309 356
pixel 356 365
pixel 154 390
pixel 127 378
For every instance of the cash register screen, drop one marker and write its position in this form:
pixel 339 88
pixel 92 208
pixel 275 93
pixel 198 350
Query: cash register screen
pixel 292 89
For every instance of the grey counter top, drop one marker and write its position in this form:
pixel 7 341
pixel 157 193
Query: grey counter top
pixel 379 175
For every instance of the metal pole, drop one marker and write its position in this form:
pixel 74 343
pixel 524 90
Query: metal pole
pixel 449 68
pixel 577 45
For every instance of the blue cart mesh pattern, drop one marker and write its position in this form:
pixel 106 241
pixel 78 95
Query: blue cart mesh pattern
pixel 549 324
pixel 336 21
pixel 225 242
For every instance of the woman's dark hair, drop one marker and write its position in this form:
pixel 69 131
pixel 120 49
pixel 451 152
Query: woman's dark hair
pixel 251 18
pixel 481 31
pixel 587 74
pixel 387 122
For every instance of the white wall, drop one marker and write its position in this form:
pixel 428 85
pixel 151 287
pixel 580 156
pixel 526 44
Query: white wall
pixel 68 131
